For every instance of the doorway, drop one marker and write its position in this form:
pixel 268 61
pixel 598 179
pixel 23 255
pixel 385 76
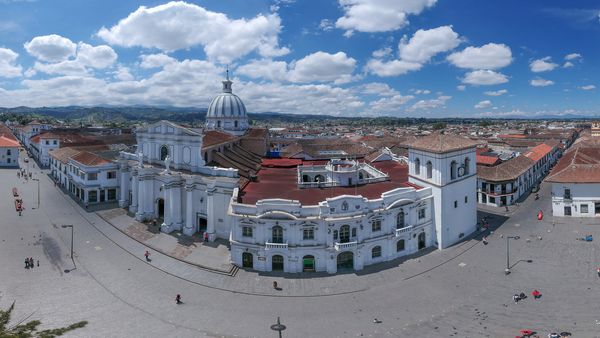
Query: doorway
pixel 202 223
pixel 308 263
pixel 247 260
pixel 422 241
pixel 160 207
pixel 277 263
pixel 567 211
pixel 102 196
pixel 345 260
pixel 597 208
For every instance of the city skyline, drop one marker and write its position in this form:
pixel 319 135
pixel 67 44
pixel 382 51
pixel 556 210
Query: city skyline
pixel 423 58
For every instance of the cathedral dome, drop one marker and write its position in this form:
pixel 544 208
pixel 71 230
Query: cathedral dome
pixel 227 112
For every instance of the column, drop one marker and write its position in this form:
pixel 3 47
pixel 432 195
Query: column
pixel 139 215
pixel 134 192
pixel 167 222
pixel 210 214
pixel 189 228
pixel 175 206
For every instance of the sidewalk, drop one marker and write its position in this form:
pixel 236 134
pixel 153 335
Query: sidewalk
pixel 211 256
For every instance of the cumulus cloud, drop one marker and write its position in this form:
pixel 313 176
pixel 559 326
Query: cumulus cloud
pixel 542 65
pixel 315 67
pixel 483 104
pixel 160 60
pixel 484 78
pixel 415 52
pixel 180 25
pixel 98 57
pixel 86 57
pixel 539 82
pixel 378 15
pixel 568 64
pixel 588 87
pixel 422 91
pixel 496 93
pixel 572 56
pixel 51 48
pixel 377 88
pixel 461 87
pixel 490 56
pixel 326 25
pixel 430 104
pixel 8 66
pixel 383 52
pixel 571 59
pixel 389 104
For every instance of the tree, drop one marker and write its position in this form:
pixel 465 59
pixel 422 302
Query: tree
pixel 439 126
pixel 30 329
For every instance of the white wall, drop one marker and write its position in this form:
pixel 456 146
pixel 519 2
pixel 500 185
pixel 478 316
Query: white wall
pixel 581 194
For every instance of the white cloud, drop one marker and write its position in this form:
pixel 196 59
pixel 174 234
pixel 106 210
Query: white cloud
pixel 422 91
pixel 414 52
pixel 490 56
pixel 484 78
pixel 588 87
pixel 424 44
pixel 539 82
pixel 542 65
pixel 180 25
pixel 391 68
pixel 572 56
pixel 8 66
pixel 123 74
pixel 321 66
pixel 68 67
pixel 383 52
pixel 266 69
pixel 378 15
pixel 51 48
pixel 496 93
pixel 483 104
pixel 98 57
pixel 430 104
pixel 568 64
pixel 377 88
pixel 389 104
pixel 156 60
pixel 326 25
pixel 461 87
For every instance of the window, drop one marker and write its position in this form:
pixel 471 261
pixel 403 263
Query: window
pixel 567 194
pixel 219 124
pixel 112 194
pixel 247 231
pixel 111 174
pixel 400 219
pixel 567 211
pixel 277 233
pixel 92 176
pixel 421 213
pixel 429 169
pixel 308 234
pixel 344 234
pixel 376 225
pixel 235 123
pixel 417 166
pixel 345 206
pixel 583 208
pixel 353 232
pixel 400 245
pixel 8 160
pixel 456 204
pixel 93 196
pixel 466 200
pixel 164 152
pixel 54 142
pixel 376 252
pixel 8 152
pixel 467 163
pixel 47 142
pixel 453 170
pixel 335 234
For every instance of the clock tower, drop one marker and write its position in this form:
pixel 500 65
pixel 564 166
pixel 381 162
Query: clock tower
pixel 447 164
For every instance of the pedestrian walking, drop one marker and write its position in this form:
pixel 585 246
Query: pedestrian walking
pixel 26 263
pixel 485 241
pixel 31 262
pixel 206 236
pixel 147 255
pixel 38 262
pixel 275 285
pixel 598 270
pixel 178 299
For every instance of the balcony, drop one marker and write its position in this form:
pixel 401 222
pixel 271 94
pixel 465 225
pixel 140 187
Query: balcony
pixel 403 230
pixel 269 246
pixel 346 246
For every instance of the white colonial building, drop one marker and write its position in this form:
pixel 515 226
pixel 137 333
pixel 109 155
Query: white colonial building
pixel 168 181
pixel 447 165
pixel 9 148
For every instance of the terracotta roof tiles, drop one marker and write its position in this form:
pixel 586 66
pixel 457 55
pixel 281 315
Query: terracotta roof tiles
pixel 442 143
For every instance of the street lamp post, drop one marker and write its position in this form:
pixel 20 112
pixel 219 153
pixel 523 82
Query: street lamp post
pixel 278 327
pixel 507 271
pixel 70 226
pixel 38 196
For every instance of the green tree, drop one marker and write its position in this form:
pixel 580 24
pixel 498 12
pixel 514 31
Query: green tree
pixel 30 329
pixel 439 125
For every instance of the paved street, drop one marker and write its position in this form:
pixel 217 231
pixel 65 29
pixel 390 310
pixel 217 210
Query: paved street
pixel 459 292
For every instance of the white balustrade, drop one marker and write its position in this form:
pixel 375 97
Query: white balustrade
pixel 403 230
pixel 346 246
pixel 269 246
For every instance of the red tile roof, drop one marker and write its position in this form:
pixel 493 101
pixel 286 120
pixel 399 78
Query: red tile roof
pixel 89 159
pixel 487 160
pixel 505 171
pixel 215 137
pixel 283 183
pixel 6 142
pixel 280 162
pixel 538 152
pixel 581 165
pixel 442 143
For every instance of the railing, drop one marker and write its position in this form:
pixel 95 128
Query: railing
pixel 269 246
pixel 403 230
pixel 346 246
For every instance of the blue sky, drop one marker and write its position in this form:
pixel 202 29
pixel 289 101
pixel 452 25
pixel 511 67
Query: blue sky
pixel 426 58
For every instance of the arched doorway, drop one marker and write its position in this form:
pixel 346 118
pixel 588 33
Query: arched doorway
pixel 247 260
pixel 320 179
pixel 160 207
pixel 305 178
pixel 422 241
pixel 277 263
pixel 345 260
pixel 308 263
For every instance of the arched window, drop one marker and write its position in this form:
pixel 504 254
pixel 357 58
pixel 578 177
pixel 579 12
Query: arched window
pixel 417 166
pixel 305 178
pixel 344 234
pixel 360 175
pixel 277 234
pixel 376 252
pixel 320 178
pixel 453 170
pixel 429 169
pixel 400 245
pixel 400 219
pixel 345 206
pixel 467 162
pixel 164 152
pixel 235 123
pixel 219 124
